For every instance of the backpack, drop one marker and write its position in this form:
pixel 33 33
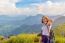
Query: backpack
pixel 51 34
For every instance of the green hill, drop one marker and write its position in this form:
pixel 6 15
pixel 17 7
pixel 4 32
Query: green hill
pixel 60 33
pixel 60 29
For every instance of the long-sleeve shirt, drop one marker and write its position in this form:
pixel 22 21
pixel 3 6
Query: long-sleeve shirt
pixel 46 29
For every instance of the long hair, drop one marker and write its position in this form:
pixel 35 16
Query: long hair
pixel 49 21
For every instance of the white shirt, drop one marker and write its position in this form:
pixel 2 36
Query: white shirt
pixel 45 30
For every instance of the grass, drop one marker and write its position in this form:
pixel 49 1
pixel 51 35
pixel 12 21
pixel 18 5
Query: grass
pixel 29 38
pixel 60 33
pixel 60 39
pixel 22 38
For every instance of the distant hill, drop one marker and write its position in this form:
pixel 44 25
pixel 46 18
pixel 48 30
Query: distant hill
pixel 31 20
pixel 4 19
pixel 23 24
pixel 31 24
pixel 28 29
pixel 59 20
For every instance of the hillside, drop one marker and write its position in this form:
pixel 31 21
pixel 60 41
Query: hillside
pixel 60 30
pixel 23 24
pixel 59 20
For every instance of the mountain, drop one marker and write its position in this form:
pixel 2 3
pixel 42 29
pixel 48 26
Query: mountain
pixel 31 24
pixel 4 19
pixel 22 24
pixel 59 20
pixel 9 23
pixel 27 29
pixel 31 20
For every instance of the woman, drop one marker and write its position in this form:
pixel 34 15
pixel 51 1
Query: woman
pixel 47 23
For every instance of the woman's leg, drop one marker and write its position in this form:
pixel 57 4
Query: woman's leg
pixel 45 39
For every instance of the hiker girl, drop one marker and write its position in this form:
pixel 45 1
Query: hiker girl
pixel 47 24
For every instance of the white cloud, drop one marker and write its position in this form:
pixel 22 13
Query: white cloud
pixel 49 8
pixel 57 0
pixel 8 6
pixel 7 3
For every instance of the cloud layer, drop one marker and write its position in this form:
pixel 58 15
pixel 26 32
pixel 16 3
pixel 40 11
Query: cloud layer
pixel 8 7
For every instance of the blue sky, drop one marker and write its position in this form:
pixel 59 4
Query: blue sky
pixel 32 7
pixel 25 3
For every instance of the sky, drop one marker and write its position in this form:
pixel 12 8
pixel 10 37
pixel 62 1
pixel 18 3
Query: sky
pixel 32 7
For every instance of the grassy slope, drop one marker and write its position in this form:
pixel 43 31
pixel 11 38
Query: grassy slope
pixel 60 33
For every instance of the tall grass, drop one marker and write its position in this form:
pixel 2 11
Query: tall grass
pixel 29 38
pixel 22 38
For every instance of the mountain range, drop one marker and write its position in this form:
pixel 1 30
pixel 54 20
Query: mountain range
pixel 12 25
